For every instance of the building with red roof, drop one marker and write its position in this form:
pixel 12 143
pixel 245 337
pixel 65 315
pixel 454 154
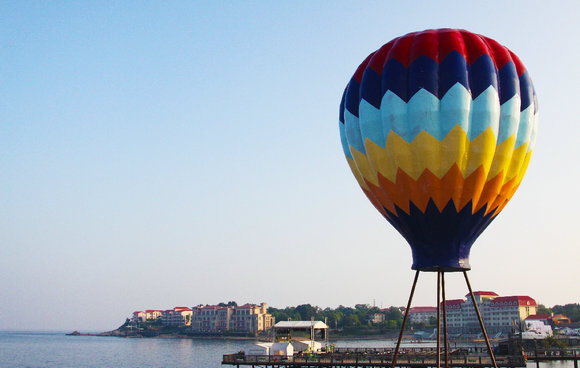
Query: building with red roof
pixel 500 313
pixel 540 317
pixel 550 319
pixel 454 304
pixel 422 314
pixel 560 319
pixel 178 316
pixel 483 293
pixel 139 316
pixel 146 315
pixel 513 300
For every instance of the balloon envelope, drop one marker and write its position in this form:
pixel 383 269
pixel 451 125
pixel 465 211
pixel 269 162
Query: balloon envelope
pixel 438 128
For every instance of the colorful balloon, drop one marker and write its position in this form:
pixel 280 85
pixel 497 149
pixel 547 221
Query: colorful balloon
pixel 438 128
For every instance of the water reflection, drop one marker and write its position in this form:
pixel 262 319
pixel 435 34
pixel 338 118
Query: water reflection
pixel 50 350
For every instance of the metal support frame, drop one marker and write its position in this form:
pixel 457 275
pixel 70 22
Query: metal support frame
pixel 438 320
pixel 441 294
pixel 445 339
pixel 405 319
pixel 480 320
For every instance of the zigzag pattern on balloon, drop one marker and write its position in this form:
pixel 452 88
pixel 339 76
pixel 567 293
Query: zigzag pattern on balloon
pixel 426 74
pixel 396 128
pixel 426 152
pixel 435 61
pixel 437 234
pixel 474 189
pixel 425 112
pixel 438 128
pixel 421 175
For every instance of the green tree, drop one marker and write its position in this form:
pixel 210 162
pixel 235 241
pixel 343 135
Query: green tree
pixel 352 321
pixel 543 310
pixel 229 304
pixel 571 311
pixel 393 313
pixel 306 311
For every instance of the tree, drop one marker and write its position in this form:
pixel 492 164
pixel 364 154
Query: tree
pixel 306 311
pixel 572 311
pixel 352 321
pixel 391 324
pixel 229 304
pixel 364 308
pixel 393 313
pixel 341 317
pixel 543 310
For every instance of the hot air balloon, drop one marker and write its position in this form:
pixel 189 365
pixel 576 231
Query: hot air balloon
pixel 438 128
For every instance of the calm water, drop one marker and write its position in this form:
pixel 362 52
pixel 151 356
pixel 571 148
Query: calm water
pixel 55 350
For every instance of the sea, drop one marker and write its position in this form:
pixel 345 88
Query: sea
pixel 57 350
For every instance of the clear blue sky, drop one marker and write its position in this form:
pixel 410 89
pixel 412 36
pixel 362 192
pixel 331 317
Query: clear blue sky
pixel 157 154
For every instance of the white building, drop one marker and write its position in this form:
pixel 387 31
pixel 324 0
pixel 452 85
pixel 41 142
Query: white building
pixel 422 314
pixel 500 313
pixel 148 315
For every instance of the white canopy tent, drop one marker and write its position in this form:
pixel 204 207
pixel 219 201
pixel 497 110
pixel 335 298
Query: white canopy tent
pixel 283 332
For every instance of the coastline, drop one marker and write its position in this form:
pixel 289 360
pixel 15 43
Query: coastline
pixel 135 335
pixel 123 334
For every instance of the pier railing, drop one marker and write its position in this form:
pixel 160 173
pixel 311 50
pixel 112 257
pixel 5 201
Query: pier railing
pixel 554 354
pixel 365 359
pixel 410 357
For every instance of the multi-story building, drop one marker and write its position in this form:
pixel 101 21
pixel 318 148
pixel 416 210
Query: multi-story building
pixel 138 317
pixel 211 318
pixel 248 318
pixel 499 313
pixel 178 316
pixel 153 314
pixel 148 315
pixel 422 314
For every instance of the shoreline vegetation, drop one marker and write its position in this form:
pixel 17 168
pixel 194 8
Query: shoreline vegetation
pixel 182 333
pixel 344 322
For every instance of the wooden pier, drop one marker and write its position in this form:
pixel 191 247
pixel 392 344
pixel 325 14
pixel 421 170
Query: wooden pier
pixel 546 355
pixel 408 358
pixel 370 357
pixel 363 361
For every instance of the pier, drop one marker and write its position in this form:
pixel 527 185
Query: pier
pixel 407 358
pixel 546 355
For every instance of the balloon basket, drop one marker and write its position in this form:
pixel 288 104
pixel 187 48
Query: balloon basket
pixel 440 303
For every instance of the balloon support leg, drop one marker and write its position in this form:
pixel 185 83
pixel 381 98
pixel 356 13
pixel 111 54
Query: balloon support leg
pixel 480 319
pixel 405 319
pixel 441 294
